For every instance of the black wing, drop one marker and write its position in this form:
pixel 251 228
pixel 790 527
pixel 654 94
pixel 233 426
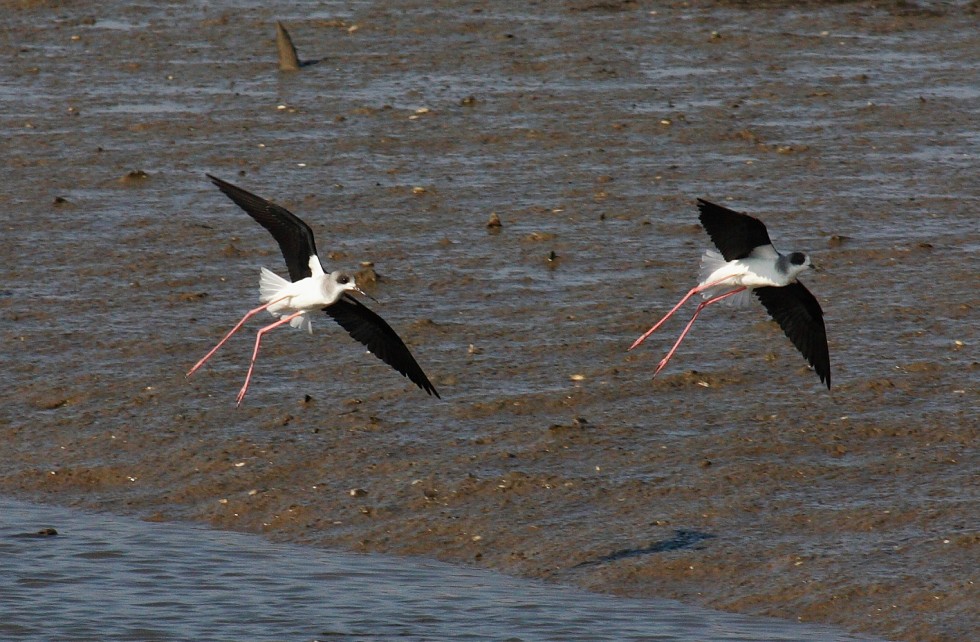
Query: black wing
pixel 800 316
pixel 295 237
pixel 733 233
pixel 371 330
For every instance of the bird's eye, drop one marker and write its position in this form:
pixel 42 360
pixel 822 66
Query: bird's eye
pixel 343 279
pixel 797 258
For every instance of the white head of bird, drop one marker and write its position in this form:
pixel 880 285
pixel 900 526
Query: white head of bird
pixel 338 282
pixel 793 264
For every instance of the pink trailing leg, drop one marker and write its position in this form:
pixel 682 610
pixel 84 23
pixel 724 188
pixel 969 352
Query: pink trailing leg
pixel 255 352
pixel 701 306
pixel 245 318
pixel 659 323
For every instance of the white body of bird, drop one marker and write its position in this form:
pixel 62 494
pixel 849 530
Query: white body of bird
pixel 748 263
pixel 306 295
pixel 308 290
pixel 764 267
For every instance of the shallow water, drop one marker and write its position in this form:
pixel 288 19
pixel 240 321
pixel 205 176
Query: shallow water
pixel 109 578
pixel 849 128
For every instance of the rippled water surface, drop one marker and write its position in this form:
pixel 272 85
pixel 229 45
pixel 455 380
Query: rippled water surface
pixel 109 578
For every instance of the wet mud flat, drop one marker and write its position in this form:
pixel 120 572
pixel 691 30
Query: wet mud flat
pixel 733 480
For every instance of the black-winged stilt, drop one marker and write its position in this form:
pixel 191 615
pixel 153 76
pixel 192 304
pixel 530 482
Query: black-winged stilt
pixel 309 290
pixel 749 263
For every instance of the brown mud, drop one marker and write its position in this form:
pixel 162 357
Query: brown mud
pixel 733 480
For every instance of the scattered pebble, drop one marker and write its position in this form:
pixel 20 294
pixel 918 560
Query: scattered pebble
pixel 44 532
pixel 366 276
pixel 51 401
pixel 539 236
pixel 134 176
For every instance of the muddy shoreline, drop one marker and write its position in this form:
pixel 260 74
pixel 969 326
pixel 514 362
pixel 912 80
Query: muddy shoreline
pixel 733 480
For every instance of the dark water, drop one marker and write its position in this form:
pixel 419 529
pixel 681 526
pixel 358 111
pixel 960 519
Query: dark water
pixel 109 578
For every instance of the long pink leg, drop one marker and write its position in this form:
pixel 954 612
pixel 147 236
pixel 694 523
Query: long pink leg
pixel 659 323
pixel 245 318
pixel 701 306
pixel 255 352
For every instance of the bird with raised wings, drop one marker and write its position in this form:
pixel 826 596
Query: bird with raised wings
pixel 746 261
pixel 309 290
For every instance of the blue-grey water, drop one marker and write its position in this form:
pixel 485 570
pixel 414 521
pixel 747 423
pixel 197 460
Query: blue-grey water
pixel 104 577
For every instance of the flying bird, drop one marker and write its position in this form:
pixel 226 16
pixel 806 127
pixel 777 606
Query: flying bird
pixel 747 262
pixel 309 290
